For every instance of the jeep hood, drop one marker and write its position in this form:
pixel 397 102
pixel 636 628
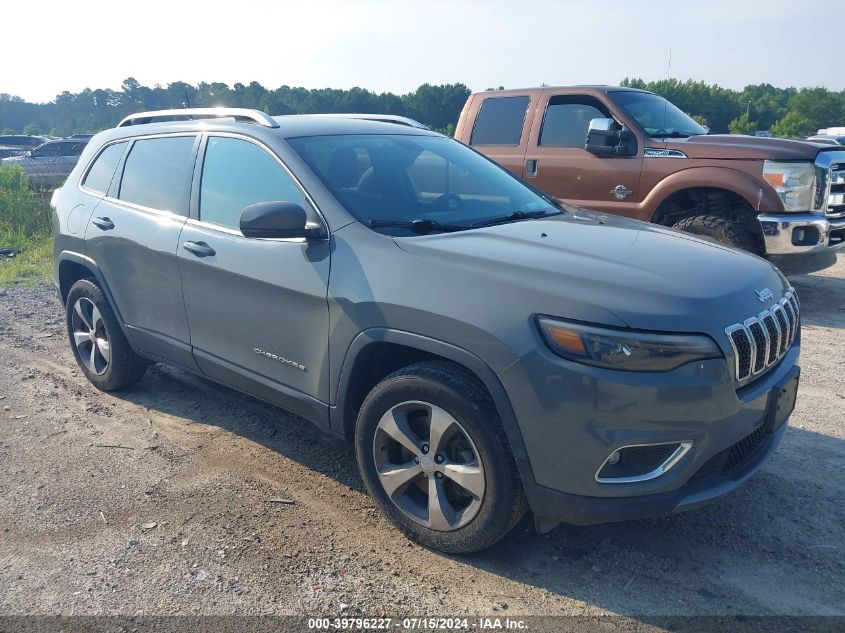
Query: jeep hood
pixel 736 146
pixel 605 269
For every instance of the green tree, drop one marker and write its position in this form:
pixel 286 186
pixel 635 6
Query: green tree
pixel 31 129
pixel 741 125
pixel 8 130
pixel 792 125
pixel 700 119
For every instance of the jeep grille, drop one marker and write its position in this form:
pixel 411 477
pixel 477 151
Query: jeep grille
pixel 761 341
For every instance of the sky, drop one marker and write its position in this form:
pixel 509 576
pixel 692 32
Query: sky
pixel 397 45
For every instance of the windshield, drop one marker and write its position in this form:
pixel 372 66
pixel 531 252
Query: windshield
pixel 657 116
pixel 437 183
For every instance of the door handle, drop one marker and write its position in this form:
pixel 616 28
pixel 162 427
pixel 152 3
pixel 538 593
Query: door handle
pixel 103 223
pixel 531 167
pixel 200 249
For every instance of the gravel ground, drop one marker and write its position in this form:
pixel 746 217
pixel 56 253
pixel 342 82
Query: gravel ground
pixel 158 501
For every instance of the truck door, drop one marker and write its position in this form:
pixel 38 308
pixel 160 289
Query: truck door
pixel 502 126
pixel 557 163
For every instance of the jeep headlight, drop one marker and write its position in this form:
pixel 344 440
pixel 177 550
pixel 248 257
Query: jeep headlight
pixel 625 350
pixel 795 183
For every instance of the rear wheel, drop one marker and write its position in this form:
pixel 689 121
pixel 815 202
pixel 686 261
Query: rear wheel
pixel 97 341
pixel 738 233
pixel 433 455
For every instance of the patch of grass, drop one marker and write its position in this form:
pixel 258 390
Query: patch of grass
pixel 32 266
pixel 25 228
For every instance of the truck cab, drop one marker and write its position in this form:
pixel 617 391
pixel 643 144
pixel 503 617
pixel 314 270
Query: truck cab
pixel 633 153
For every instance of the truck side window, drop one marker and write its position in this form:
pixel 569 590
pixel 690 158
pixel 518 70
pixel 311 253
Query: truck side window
pixel 499 121
pixel 567 119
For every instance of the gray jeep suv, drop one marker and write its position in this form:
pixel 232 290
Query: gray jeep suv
pixel 488 349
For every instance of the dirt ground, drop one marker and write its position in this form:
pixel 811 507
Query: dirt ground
pixel 157 501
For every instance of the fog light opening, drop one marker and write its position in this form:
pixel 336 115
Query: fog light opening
pixel 641 462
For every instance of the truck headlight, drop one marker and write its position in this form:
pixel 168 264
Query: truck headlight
pixel 795 183
pixel 625 350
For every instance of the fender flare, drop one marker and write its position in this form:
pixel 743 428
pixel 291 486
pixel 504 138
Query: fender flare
pixel 759 195
pixel 436 347
pixel 91 265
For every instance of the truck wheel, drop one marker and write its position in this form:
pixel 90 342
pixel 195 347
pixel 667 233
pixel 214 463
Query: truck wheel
pixel 433 455
pixel 724 230
pixel 98 344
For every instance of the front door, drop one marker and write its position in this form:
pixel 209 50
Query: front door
pixel 257 308
pixel 557 163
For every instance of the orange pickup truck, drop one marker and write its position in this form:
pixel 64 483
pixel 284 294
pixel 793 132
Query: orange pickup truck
pixel 634 153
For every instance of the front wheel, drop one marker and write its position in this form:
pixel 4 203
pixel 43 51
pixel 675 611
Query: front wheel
pixel 433 455
pixel 730 232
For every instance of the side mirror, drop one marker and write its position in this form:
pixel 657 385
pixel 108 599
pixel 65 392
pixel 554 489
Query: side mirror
pixel 604 140
pixel 277 220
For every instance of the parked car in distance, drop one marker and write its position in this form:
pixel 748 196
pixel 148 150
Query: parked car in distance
pixel 19 144
pixel 631 152
pixel 826 138
pixel 487 349
pixel 49 164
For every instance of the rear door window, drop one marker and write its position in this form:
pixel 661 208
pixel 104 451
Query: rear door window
pixel 567 120
pixel 499 121
pixel 100 175
pixel 157 171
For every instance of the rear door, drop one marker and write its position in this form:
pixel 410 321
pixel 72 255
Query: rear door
pixel 558 164
pixel 501 128
pixel 133 236
pixel 257 307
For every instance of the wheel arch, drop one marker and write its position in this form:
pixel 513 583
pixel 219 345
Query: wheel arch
pixel 72 267
pixel 759 196
pixel 377 352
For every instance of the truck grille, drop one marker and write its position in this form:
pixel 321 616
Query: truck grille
pixel 761 341
pixel 836 197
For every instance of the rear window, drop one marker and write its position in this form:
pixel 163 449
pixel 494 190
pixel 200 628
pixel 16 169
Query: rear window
pixel 499 121
pixel 156 173
pixel 101 172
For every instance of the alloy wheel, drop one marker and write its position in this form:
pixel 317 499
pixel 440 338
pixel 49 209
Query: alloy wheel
pixel 90 336
pixel 428 465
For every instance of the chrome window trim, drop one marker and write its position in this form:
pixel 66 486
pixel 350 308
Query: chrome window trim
pixel 662 469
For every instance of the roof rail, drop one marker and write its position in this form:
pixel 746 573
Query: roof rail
pixel 239 114
pixel 384 118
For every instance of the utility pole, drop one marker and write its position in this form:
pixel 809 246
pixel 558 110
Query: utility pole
pixel 748 110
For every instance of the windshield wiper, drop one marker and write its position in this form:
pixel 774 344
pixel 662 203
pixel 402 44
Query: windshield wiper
pixel 673 134
pixel 512 217
pixel 420 226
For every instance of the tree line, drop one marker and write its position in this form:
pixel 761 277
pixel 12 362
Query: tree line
pixel 786 112
pixel 95 110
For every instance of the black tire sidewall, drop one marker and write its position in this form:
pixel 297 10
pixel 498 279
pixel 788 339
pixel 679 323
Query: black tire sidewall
pixel 494 517
pixel 120 369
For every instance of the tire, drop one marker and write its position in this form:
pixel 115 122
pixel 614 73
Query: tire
pixel 730 232
pixel 99 346
pixel 427 402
